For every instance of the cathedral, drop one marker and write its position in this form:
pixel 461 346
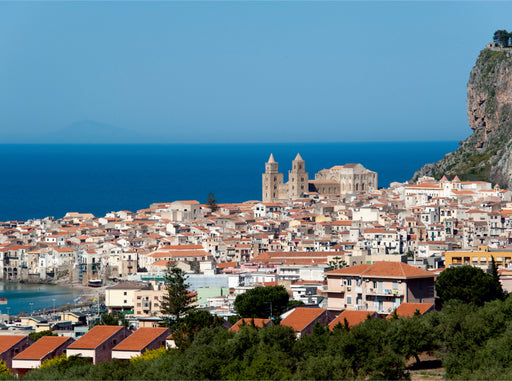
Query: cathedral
pixel 340 180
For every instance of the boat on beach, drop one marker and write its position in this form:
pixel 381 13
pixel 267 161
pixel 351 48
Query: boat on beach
pixel 95 283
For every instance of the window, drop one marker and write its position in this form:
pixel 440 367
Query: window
pixel 125 293
pixel 349 281
pixel 349 299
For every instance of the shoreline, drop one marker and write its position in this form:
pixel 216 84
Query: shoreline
pixel 83 295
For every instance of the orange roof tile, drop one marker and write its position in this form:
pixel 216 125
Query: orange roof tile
pixel 7 341
pixel 249 321
pixel 42 347
pixel 301 317
pixel 353 318
pixel 141 338
pixel 384 270
pixel 409 309
pixel 95 337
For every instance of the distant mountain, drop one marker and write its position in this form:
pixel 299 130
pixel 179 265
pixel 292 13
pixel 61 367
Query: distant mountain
pixel 91 132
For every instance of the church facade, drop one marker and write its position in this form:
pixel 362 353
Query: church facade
pixel 339 180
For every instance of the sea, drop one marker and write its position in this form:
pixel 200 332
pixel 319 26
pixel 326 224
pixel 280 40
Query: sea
pixel 35 298
pixel 37 181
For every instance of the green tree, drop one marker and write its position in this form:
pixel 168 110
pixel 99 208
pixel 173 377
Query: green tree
pixel 191 324
pixel 502 37
pixel 211 201
pixel 177 300
pixel 262 302
pixel 468 284
pixel 37 335
pixel 496 278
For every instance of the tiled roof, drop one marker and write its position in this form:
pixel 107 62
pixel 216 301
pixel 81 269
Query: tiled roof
pixel 95 337
pixel 7 341
pixel 353 318
pixel 249 321
pixel 396 270
pixel 42 347
pixel 409 309
pixel 141 338
pixel 301 317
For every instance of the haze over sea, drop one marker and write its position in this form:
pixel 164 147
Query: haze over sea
pixel 51 180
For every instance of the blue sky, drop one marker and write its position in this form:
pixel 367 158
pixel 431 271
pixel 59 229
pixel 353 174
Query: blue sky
pixel 243 71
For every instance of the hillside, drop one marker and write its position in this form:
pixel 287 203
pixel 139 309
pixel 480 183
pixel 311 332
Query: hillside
pixel 487 153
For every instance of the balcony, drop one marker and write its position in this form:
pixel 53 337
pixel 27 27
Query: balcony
pixel 384 292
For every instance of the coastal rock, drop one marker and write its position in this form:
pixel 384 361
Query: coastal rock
pixel 486 154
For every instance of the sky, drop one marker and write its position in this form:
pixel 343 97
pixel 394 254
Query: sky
pixel 243 71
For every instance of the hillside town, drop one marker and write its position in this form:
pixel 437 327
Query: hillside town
pixel 338 244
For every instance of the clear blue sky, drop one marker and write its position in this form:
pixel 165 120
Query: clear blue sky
pixel 243 71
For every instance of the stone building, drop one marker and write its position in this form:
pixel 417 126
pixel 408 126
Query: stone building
pixel 339 180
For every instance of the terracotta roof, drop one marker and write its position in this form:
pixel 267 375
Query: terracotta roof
pixel 249 321
pixel 95 337
pixel 353 318
pixel 384 270
pixel 7 341
pixel 301 317
pixel 42 347
pixel 141 338
pixel 409 309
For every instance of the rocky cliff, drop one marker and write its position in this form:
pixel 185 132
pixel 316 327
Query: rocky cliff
pixel 487 153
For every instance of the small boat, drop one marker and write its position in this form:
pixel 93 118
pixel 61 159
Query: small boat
pixel 3 300
pixel 95 283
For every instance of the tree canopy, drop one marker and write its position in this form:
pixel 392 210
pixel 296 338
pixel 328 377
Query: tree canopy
pixel 502 38
pixel 468 284
pixel 262 302
pixel 211 201
pixel 177 300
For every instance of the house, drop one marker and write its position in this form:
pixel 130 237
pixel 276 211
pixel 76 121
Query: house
pixel 47 347
pixel 353 318
pixel 256 322
pixel 302 319
pixel 121 296
pixel 11 345
pixel 98 342
pixel 409 309
pixel 379 287
pixel 142 340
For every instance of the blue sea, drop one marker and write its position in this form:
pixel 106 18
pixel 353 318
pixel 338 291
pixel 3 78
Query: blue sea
pixel 49 180
pixel 34 297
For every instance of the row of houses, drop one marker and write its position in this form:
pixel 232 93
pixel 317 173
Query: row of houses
pixel 104 343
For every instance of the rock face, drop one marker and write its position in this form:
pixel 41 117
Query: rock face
pixel 487 153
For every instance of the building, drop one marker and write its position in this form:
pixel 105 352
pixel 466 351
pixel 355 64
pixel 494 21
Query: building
pixel 380 287
pixel 482 257
pixel 121 297
pixel 254 322
pixel 352 318
pixel 339 180
pixel 11 346
pixel 98 343
pixel 47 347
pixel 303 319
pixel 142 340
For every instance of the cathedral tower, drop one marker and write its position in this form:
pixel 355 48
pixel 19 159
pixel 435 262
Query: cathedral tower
pixel 272 181
pixel 297 178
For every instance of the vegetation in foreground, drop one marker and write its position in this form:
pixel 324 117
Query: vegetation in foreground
pixel 471 339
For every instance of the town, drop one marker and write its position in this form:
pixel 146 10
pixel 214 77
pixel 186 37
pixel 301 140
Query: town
pixel 341 246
